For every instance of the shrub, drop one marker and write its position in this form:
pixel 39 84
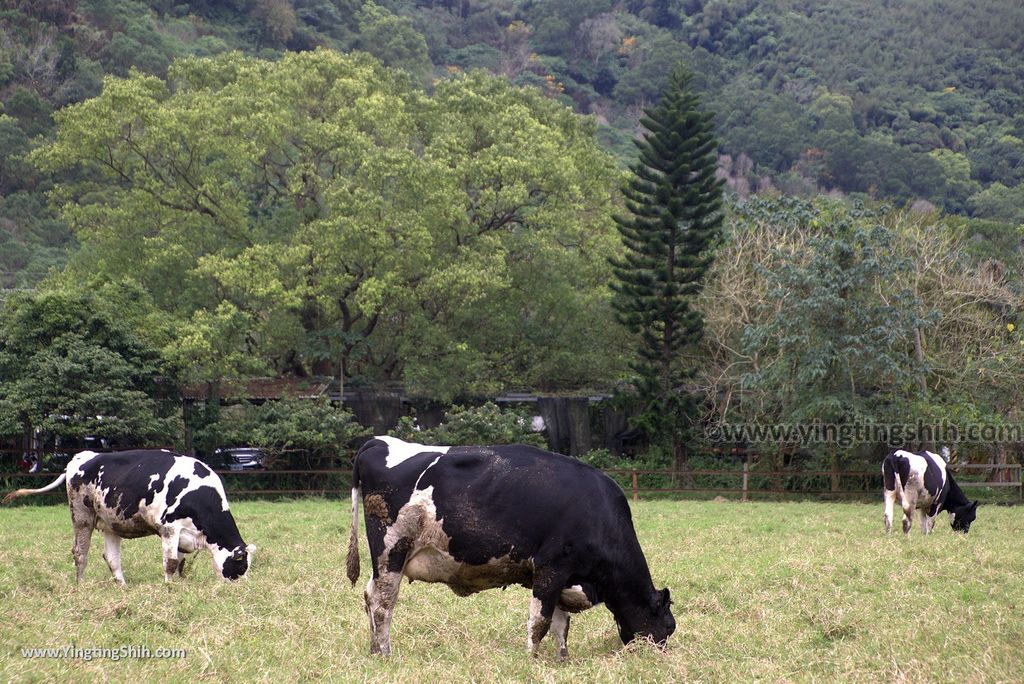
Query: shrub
pixel 485 424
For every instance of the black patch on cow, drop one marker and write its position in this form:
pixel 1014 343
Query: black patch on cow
pixel 233 568
pixel 175 488
pixel 934 481
pixel 126 475
pixel 155 488
pixel 201 470
pixel 396 558
pixel 205 507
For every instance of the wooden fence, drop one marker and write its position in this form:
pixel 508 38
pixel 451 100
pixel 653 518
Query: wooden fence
pixel 742 483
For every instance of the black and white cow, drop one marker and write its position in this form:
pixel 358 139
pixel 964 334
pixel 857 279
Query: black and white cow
pixel 476 518
pixel 921 482
pixel 131 494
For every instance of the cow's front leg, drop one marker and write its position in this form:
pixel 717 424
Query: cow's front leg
pixel 181 564
pixel 112 554
pixel 547 588
pixel 170 542
pixel 537 625
pixel 560 628
pixel 381 595
pixel 927 522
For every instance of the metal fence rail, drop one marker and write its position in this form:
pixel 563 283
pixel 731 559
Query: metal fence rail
pixel 743 482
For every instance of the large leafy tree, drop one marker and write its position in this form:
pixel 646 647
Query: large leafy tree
pixel 321 215
pixel 674 202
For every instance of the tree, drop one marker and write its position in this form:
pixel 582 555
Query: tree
pixel 319 215
pixel 675 204
pixel 70 367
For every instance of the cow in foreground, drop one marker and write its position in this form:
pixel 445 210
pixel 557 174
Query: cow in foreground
pixel 921 482
pixel 131 494
pixel 476 518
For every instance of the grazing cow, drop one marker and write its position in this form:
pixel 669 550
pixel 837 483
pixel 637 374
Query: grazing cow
pixel 476 518
pixel 921 482
pixel 131 494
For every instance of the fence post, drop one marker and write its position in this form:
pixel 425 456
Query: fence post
pixel 636 488
pixel 746 478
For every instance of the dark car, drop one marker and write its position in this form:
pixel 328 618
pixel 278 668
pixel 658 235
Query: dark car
pixel 240 458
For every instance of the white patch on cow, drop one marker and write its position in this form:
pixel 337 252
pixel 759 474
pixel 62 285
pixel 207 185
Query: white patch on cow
pixel 535 606
pixel 432 463
pixel 400 451
pixel 77 464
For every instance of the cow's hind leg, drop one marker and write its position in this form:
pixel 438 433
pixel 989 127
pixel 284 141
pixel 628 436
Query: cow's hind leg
pixel 889 498
pixel 170 538
pixel 381 595
pixel 83 520
pixel 909 506
pixel 80 549
pixel 112 554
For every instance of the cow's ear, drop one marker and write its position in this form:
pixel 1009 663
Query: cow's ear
pixel 251 549
pixel 974 506
pixel 666 599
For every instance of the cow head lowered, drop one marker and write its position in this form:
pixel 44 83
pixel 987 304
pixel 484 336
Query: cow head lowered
pixel 132 494
pixel 653 621
pixel 476 518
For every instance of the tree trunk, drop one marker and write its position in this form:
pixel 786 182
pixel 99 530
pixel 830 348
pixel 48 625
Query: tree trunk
pixel 682 462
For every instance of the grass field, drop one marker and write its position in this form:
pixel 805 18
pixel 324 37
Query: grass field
pixel 762 591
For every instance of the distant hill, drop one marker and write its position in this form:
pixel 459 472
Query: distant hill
pixel 910 100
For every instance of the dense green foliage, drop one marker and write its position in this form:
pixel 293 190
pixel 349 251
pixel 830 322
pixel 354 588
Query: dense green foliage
pixel 346 224
pixel 468 425
pixel 293 432
pixel 888 100
pixel 674 202
pixel 71 366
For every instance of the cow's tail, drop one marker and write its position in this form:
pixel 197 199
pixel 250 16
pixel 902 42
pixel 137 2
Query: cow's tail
pixel 352 561
pixel 891 479
pixel 25 492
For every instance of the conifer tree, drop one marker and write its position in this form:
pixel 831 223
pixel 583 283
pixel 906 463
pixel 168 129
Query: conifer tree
pixel 674 202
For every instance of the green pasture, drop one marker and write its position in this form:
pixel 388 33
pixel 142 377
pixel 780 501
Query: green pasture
pixel 763 592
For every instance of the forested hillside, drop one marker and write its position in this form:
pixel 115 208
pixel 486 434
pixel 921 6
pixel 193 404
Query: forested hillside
pixel 916 100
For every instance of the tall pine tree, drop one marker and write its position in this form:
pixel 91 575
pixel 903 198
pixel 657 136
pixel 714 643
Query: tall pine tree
pixel 675 202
